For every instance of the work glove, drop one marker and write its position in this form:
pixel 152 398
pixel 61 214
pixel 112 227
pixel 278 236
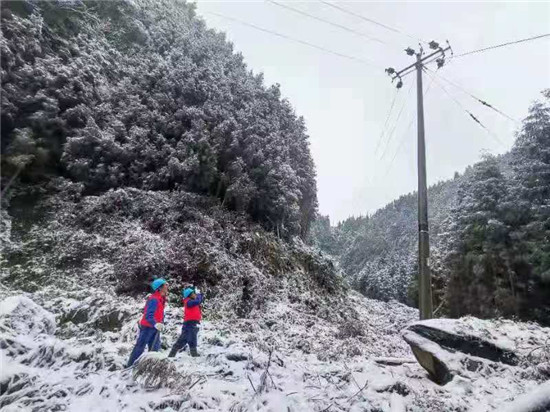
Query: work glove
pixel 198 291
pixel 159 326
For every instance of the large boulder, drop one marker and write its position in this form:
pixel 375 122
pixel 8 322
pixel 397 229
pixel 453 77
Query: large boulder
pixel 449 347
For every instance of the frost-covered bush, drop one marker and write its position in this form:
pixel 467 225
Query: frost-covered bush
pixel 154 370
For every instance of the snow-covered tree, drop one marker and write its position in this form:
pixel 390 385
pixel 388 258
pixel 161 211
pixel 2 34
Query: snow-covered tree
pixel 141 94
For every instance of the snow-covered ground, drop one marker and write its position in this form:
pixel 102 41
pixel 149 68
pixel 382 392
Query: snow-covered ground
pixel 66 350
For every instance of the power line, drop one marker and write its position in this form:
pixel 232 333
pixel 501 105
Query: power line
pixel 386 122
pixel 483 102
pixel 358 33
pixel 469 113
pixel 502 45
pixel 284 36
pixel 400 144
pixel 390 136
pixel 393 29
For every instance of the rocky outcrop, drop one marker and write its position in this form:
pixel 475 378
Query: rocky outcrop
pixel 449 347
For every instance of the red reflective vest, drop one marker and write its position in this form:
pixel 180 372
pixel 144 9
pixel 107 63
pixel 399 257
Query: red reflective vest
pixel 156 304
pixel 191 313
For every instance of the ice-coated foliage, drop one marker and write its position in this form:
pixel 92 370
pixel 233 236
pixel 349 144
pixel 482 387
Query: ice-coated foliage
pixel 500 257
pixel 141 94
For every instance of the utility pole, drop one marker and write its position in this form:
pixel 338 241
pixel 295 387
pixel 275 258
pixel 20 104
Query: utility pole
pixel 424 276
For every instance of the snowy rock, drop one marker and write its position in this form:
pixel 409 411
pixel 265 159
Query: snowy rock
pixel 21 315
pixel 449 347
pixel 110 321
pixel 430 355
pixel 77 315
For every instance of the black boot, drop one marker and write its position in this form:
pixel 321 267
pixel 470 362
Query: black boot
pixel 193 352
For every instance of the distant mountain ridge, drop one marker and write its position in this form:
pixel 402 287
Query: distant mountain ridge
pixel 378 252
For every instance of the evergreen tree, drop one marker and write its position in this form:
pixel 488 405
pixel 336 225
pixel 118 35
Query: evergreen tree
pixel 142 94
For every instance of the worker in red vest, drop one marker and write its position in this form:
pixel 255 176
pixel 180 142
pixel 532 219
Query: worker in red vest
pixel 152 321
pixel 192 299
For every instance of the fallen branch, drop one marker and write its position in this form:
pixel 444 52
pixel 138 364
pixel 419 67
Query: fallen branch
pixel 250 380
pixel 438 308
pixel 546 345
pixel 351 374
pixel 197 381
pixel 326 409
pixel 393 361
pixel 359 391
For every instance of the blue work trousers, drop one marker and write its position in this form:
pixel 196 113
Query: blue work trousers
pixel 149 337
pixel 188 336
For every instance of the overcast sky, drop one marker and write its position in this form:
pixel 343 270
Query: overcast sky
pixel 345 102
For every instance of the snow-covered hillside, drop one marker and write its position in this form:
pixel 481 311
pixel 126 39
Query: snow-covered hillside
pixel 137 144
pixel 66 350
pixel 70 295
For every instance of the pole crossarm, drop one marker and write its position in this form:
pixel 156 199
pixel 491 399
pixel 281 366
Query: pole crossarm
pixel 438 55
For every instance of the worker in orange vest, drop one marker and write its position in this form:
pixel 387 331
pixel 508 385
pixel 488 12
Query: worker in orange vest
pixel 192 300
pixel 152 321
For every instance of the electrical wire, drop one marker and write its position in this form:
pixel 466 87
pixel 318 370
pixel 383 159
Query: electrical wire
pixel 502 45
pixel 358 33
pixel 393 29
pixel 387 119
pixel 483 102
pixel 400 144
pixel 469 113
pixel 390 136
pixel 284 36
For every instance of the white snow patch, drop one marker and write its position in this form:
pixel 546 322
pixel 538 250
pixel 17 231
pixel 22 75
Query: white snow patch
pixel 534 401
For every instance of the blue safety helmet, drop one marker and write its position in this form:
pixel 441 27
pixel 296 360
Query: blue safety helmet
pixel 188 292
pixel 157 283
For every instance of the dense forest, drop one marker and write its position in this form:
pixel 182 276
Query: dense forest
pixel 136 144
pixel 141 94
pixel 489 228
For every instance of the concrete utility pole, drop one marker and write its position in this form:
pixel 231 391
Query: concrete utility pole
pixel 424 277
